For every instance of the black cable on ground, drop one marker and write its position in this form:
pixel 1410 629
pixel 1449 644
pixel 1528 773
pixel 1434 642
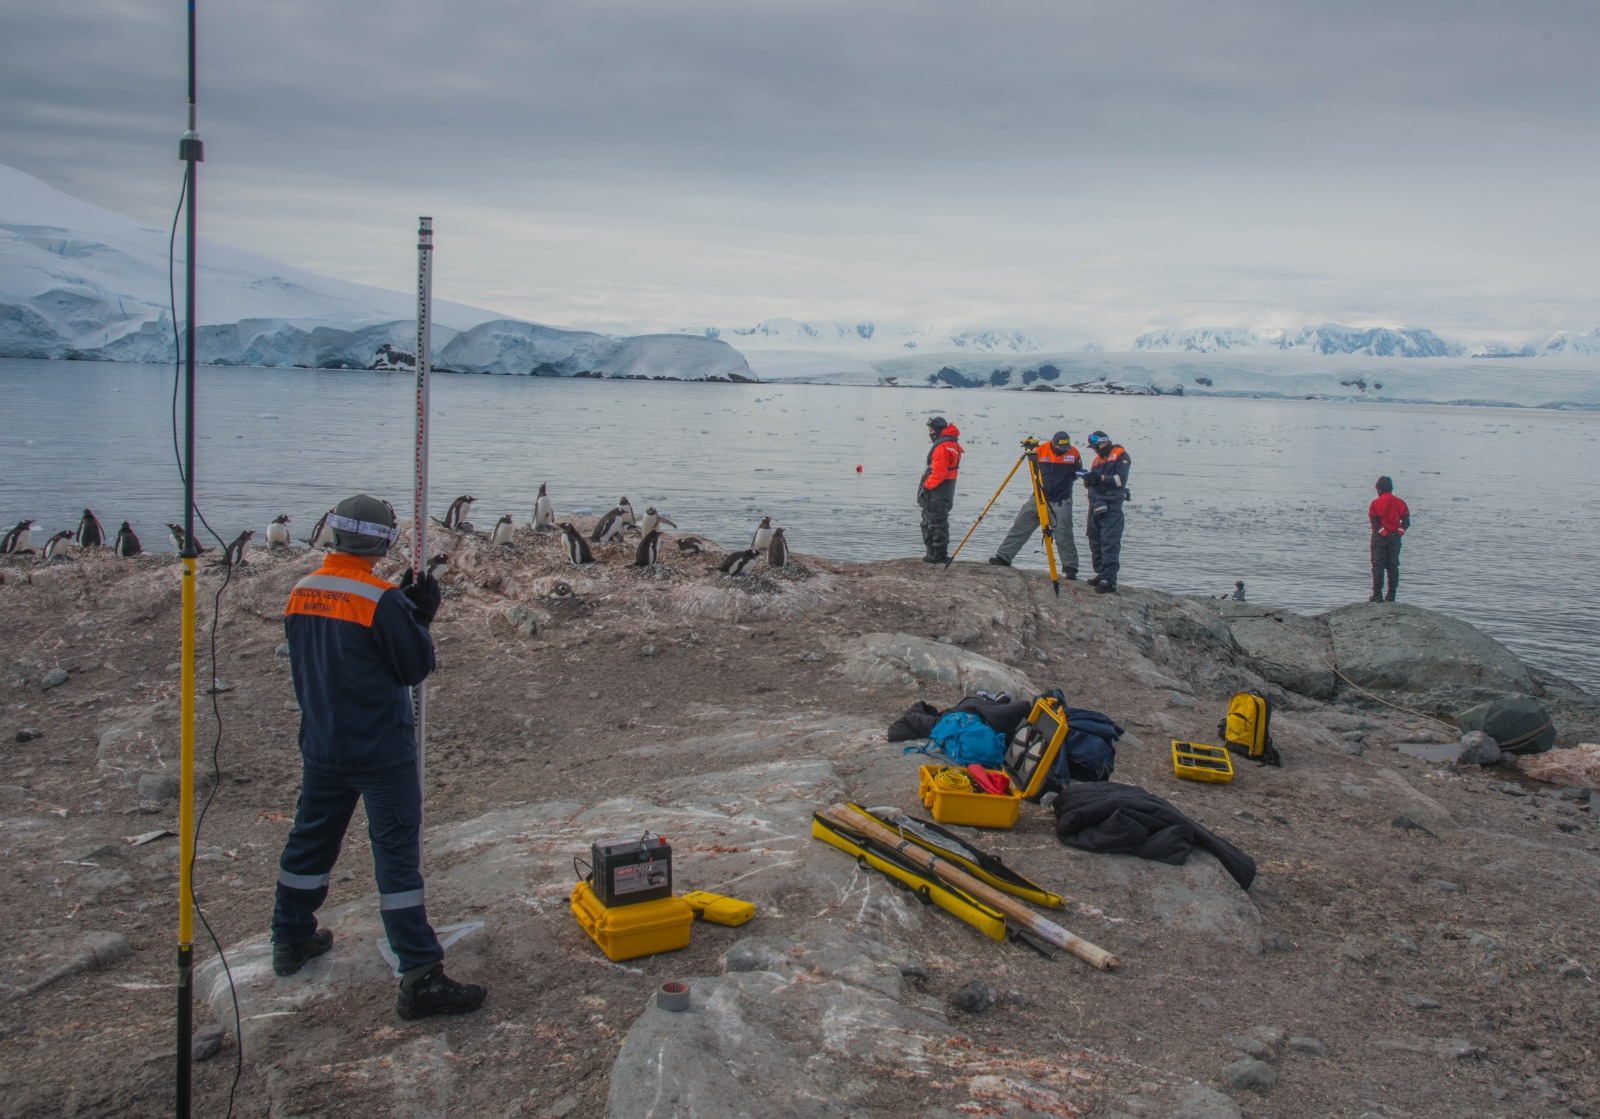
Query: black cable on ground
pixel 216 612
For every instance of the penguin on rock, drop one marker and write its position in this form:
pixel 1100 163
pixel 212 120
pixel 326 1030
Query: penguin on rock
pixel 652 521
pixel 649 549
pixel 763 536
pixel 278 532
pixel 626 508
pixel 127 545
pixel 233 554
pixel 777 550
pixel 89 534
pixel 577 547
pixel 736 563
pixel 691 545
pixel 502 532
pixel 18 539
pixel 321 535
pixel 608 527
pixel 177 540
pixel 53 547
pixel 455 518
pixel 544 513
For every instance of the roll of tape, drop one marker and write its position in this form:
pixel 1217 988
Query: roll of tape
pixel 673 995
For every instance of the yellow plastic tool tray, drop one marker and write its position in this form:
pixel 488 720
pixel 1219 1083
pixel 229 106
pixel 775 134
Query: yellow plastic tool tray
pixel 978 810
pixel 1195 761
pixel 624 932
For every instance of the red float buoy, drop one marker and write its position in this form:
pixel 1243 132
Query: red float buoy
pixel 858 468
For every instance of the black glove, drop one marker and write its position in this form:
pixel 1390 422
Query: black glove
pixel 424 595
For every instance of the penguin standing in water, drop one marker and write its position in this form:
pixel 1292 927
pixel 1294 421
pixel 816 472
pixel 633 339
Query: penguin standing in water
pixel 608 527
pixel 321 535
pixel 127 545
pixel 455 518
pixel 52 546
pixel 652 521
pixel 502 532
pixel 577 547
pixel 691 545
pixel 278 532
pixel 177 540
pixel 763 536
pixel 738 561
pixel 544 513
pixel 89 534
pixel 233 555
pixel 777 549
pixel 649 548
pixel 18 539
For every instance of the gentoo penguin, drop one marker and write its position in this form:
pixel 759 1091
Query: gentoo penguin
pixel 233 554
pixel 608 527
pixel 738 561
pixel 649 547
pixel 89 534
pixel 52 546
pixel 544 513
pixel 18 540
pixel 321 535
pixel 502 532
pixel 127 542
pixel 278 531
pixel 652 521
pixel 628 519
pixel 177 540
pixel 763 535
pixel 777 549
pixel 577 547
pixel 691 545
pixel 436 562
pixel 455 518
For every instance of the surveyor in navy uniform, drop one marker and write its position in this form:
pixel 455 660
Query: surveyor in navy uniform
pixel 357 644
pixel 1107 483
pixel 1058 464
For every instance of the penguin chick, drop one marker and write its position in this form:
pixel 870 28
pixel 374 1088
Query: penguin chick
pixel 763 535
pixel 577 547
pixel 278 532
pixel 544 513
pixel 127 545
pixel 89 534
pixel 738 561
pixel 502 532
pixel 691 545
pixel 777 549
pixel 649 548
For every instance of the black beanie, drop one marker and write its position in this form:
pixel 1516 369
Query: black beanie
pixel 1385 484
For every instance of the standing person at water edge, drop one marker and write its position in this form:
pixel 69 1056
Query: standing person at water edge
pixel 1107 483
pixel 937 492
pixel 357 644
pixel 1057 462
pixel 1390 518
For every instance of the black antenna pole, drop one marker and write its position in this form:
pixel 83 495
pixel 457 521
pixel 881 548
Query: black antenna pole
pixel 192 152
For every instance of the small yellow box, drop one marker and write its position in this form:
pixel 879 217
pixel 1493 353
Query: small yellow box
pixel 624 932
pixel 1195 761
pixel 978 810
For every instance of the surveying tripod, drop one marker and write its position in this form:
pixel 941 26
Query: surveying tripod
pixel 1030 455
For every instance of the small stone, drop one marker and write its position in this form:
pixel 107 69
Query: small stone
pixel 53 679
pixel 1279 942
pixel 976 997
pixel 1014 998
pixel 1566 826
pixel 1178 699
pixel 1512 790
pixel 1419 1002
pixel 281 650
pixel 1247 1072
pixel 28 734
pixel 1310 1046
pixel 811 658
pixel 563 1107
pixel 219 685
pixel 1354 736
pixel 594 695
pixel 1445 886
pixel 944 640
pixel 1480 941
pixel 1572 969
pixel 207 1042
pixel 1354 748
pixel 1358 948
pixel 1254 1047
pixel 157 788
pixel 911 969
pixel 1201 1102
pixel 1458 1049
pixel 1498 1093
pixel 1406 823
pixel 1405 944
pixel 1478 748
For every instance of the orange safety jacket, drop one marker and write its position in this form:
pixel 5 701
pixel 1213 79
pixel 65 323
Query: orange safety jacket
pixel 944 459
pixel 1058 472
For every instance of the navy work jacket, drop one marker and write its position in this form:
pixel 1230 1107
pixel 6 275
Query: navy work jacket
pixel 355 650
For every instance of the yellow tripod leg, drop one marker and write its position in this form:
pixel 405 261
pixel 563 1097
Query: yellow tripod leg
pixel 982 515
pixel 1046 526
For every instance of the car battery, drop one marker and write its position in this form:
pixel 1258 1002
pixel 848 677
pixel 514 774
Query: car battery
pixel 629 871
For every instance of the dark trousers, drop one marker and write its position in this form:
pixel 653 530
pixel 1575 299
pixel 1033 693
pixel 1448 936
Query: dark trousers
pixel 936 505
pixel 1385 558
pixel 394 824
pixel 1105 539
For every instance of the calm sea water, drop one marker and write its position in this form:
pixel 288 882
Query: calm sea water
pixel 1505 502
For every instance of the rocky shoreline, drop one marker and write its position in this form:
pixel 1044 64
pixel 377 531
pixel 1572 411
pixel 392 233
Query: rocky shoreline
pixel 1419 939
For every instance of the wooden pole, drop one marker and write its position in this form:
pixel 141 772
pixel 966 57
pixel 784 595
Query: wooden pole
pixel 1041 927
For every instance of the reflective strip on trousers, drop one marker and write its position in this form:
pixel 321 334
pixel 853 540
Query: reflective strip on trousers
pixel 406 899
pixel 302 881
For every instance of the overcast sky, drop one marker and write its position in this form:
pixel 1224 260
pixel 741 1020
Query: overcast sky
pixel 1089 170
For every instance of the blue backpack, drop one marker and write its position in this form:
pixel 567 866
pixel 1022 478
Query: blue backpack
pixel 966 740
pixel 1090 751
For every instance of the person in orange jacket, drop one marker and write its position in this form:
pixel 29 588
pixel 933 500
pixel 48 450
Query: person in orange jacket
pixel 1390 518
pixel 936 494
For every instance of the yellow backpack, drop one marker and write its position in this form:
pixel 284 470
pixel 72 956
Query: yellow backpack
pixel 1246 728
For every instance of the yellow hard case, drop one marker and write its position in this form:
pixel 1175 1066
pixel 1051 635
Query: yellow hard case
pixel 624 932
pixel 1026 765
pixel 1195 761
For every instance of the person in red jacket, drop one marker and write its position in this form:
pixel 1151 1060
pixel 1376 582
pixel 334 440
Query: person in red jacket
pixel 936 493
pixel 1390 518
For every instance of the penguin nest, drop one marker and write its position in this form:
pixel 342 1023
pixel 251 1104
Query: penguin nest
pixel 751 598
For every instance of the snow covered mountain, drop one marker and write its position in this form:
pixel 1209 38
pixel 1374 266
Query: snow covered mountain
pixel 1326 338
pixel 867 337
pixel 1567 344
pixel 80 281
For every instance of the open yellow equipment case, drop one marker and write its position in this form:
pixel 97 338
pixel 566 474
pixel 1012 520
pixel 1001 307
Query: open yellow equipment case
pixel 1028 758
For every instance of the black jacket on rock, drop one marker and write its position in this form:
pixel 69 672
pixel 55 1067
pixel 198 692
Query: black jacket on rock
pixel 1119 819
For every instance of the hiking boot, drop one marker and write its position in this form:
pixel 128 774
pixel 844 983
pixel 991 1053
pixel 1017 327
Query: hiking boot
pixel 1070 576
pixel 1000 561
pixel 290 958
pixel 1376 597
pixel 1095 582
pixel 931 558
pixel 1388 598
pixel 1105 588
pixel 434 992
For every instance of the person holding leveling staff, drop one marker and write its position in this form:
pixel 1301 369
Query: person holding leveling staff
pixel 1057 462
pixel 357 644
